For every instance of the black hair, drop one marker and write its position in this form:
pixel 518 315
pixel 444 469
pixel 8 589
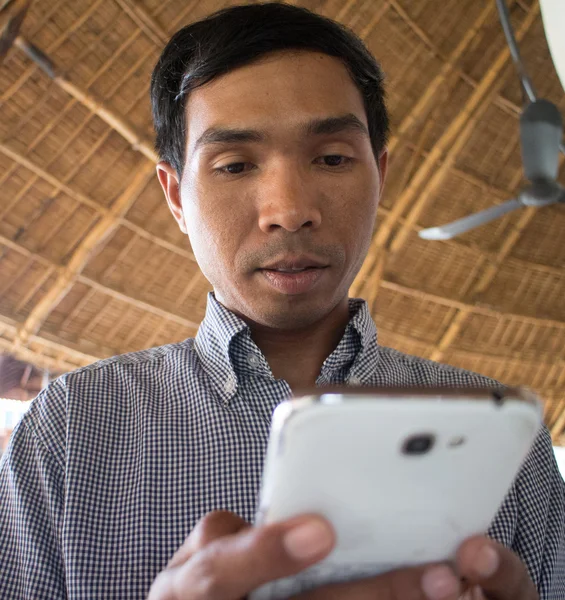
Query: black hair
pixel 240 35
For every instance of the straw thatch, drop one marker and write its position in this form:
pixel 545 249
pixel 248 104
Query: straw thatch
pixel 92 264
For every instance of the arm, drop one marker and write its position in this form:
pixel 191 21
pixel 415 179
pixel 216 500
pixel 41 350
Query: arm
pixel 31 511
pixel 531 521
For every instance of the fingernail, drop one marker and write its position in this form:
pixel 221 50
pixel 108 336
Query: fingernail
pixel 487 561
pixel 308 540
pixel 440 583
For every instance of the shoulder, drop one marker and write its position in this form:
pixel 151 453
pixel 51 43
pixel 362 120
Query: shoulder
pixel 145 367
pixel 103 382
pixel 160 356
pixel 397 368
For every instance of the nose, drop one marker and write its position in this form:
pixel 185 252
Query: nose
pixel 288 201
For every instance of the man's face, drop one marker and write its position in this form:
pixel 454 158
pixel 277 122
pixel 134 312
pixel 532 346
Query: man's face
pixel 280 187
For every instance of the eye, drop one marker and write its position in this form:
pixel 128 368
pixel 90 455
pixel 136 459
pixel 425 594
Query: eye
pixel 334 160
pixel 235 168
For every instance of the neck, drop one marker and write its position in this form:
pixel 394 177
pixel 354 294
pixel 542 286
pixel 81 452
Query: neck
pixel 297 355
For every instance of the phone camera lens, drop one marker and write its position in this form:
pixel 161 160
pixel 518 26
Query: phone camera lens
pixel 418 444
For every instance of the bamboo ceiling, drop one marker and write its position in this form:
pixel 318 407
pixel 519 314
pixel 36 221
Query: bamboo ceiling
pixel 92 264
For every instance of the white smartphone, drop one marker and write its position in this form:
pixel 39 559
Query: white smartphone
pixel 404 476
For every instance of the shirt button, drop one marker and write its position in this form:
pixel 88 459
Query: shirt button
pixel 253 360
pixel 229 386
pixel 354 381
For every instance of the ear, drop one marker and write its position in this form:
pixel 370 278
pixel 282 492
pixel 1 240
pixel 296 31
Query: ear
pixel 169 181
pixel 382 162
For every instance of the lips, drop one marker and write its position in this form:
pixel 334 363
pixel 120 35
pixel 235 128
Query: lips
pixel 298 263
pixel 294 276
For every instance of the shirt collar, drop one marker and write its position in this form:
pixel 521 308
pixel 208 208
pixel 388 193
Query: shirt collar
pixel 213 340
pixel 356 352
pixel 221 330
pixel 365 360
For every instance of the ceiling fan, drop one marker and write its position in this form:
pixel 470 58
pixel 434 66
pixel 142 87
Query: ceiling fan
pixel 541 133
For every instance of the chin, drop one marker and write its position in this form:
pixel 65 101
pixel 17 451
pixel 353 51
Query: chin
pixel 291 312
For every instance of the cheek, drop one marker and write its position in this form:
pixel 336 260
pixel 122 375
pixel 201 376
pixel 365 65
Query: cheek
pixel 215 228
pixel 355 212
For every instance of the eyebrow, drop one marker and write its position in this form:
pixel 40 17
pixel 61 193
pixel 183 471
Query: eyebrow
pixel 315 127
pixel 332 125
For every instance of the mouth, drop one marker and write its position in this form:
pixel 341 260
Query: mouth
pixel 293 271
pixel 294 276
pixel 295 264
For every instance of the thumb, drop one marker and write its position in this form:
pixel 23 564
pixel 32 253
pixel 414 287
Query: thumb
pixel 234 565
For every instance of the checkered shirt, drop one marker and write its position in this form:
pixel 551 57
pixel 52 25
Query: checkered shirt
pixel 114 464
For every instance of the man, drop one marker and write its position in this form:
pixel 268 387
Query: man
pixel 139 474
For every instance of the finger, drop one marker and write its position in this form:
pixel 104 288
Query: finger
pixel 232 566
pixel 499 573
pixel 437 582
pixel 214 525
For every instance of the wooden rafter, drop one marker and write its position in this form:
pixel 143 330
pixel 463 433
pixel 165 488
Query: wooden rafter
pixel 375 19
pixel 59 185
pixel 460 318
pixel 491 268
pixel 52 267
pixel 346 6
pixel 96 105
pixel 429 176
pixel 558 426
pixel 503 103
pixel 493 191
pixel 40 359
pixel 83 199
pixel 555 412
pixel 52 47
pixel 513 360
pixel 449 67
pixel 471 308
pixel 481 286
pixel 187 8
pixel 144 21
pixel 457 136
pixel 68 274
pixel 376 257
pixel 146 306
pixel 505 249
pixel 78 356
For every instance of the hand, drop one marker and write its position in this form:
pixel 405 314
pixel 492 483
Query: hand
pixel 494 571
pixel 224 558
pixel 489 572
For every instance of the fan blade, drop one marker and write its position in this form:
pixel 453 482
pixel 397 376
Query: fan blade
pixel 446 232
pixel 541 130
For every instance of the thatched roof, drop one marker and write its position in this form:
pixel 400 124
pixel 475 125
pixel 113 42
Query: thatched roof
pixel 92 264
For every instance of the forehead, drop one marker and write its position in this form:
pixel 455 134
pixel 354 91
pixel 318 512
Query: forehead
pixel 278 92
